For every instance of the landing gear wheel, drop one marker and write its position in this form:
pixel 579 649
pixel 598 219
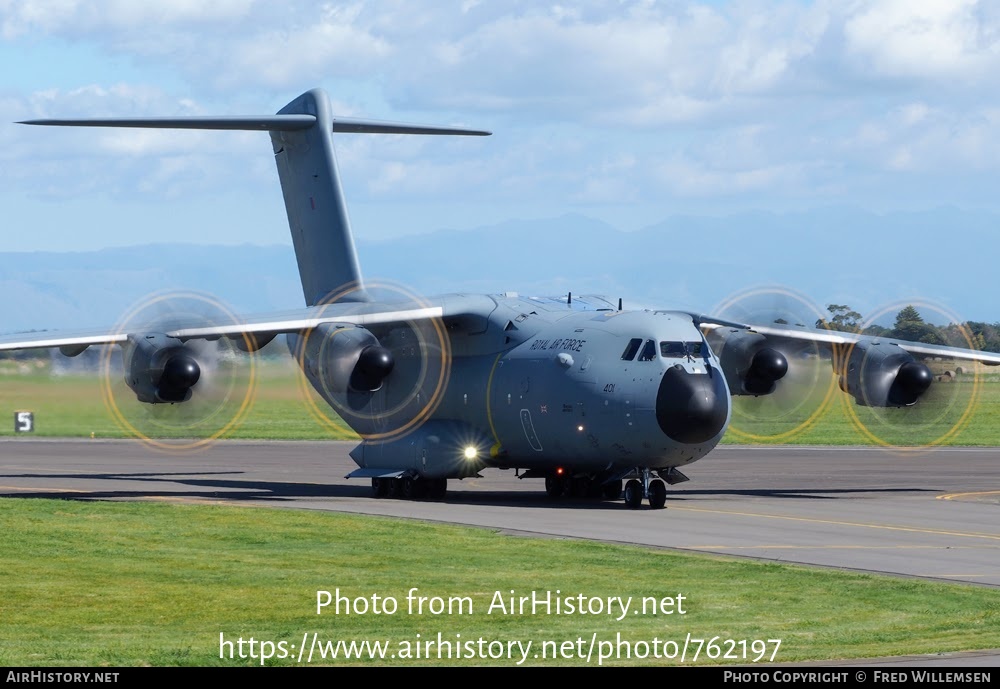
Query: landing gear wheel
pixel 554 486
pixel 612 491
pixel 395 487
pixel 633 494
pixel 437 488
pixel 412 488
pixel 380 487
pixel 578 487
pixel 657 494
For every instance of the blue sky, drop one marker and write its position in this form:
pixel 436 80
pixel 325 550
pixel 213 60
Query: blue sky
pixel 629 112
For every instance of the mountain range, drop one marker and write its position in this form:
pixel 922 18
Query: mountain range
pixel 835 255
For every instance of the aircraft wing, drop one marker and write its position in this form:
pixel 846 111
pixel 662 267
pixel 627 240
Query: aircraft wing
pixel 805 334
pixel 784 332
pixel 460 310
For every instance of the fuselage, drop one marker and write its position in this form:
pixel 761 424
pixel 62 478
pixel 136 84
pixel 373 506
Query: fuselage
pixel 543 384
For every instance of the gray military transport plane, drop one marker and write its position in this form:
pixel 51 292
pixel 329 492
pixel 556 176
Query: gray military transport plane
pixel 573 390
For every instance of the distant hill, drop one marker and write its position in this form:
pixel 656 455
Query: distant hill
pixel 837 255
pixel 43 290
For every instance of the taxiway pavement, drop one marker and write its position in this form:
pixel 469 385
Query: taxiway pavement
pixel 933 514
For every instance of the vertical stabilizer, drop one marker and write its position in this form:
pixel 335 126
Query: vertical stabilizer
pixel 314 201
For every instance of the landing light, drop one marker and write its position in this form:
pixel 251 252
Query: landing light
pixel 580 428
pixel 471 452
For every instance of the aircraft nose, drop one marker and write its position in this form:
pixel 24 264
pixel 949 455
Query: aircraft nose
pixel 691 407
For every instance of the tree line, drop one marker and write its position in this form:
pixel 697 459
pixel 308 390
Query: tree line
pixel 910 325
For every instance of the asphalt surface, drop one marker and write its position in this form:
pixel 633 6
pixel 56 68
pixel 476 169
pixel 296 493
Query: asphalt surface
pixel 933 515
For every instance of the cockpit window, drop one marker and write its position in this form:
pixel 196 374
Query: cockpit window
pixel 631 349
pixel 648 351
pixel 679 350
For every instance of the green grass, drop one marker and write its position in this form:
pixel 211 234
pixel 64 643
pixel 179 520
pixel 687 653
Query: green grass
pixel 125 584
pixel 75 406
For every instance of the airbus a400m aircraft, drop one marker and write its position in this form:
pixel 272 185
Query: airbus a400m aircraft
pixel 573 390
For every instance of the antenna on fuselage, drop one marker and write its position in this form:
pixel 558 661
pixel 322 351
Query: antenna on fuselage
pixel 569 299
pixel 619 303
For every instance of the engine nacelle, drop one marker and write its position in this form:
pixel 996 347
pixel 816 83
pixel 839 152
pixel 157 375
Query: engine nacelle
pixel 880 374
pixel 345 358
pixel 749 365
pixel 159 369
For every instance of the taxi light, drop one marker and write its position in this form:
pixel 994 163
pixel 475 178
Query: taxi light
pixel 471 452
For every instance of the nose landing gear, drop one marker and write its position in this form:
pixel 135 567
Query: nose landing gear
pixel 654 490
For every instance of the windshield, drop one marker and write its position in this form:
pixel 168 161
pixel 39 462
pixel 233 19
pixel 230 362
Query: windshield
pixel 679 350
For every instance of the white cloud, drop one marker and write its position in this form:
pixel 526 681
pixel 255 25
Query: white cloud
pixel 913 113
pixel 901 159
pixel 933 39
pixel 77 17
pixel 916 138
pixel 336 43
pixel 641 64
pixel 630 102
pixel 682 176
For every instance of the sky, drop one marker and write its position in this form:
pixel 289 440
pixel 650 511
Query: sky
pixel 631 113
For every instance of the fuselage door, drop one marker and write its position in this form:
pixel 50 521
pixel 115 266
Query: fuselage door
pixel 529 431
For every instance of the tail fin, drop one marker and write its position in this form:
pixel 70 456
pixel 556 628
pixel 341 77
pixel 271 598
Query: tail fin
pixel 314 201
pixel 301 134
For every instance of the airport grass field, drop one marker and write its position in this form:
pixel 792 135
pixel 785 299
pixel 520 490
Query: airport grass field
pixel 124 584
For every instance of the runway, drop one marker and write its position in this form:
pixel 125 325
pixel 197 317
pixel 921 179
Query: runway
pixel 933 515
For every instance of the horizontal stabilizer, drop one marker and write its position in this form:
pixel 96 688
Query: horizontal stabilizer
pixel 356 126
pixel 266 123
pixel 281 123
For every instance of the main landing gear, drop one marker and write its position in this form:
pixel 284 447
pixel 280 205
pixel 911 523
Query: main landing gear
pixel 583 487
pixel 410 488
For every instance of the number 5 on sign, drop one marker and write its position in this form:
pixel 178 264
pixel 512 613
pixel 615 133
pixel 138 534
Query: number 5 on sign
pixel 24 422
